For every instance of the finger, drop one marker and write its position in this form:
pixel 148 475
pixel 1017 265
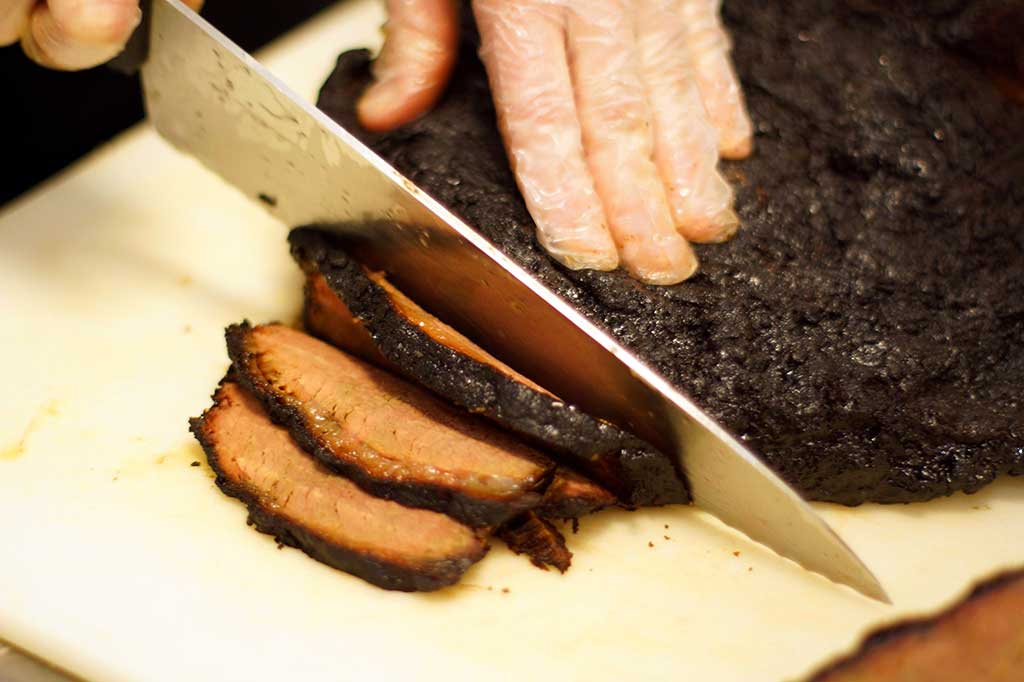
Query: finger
pixel 709 47
pixel 616 134
pixel 685 141
pixel 78 34
pixel 523 48
pixel 14 16
pixel 419 53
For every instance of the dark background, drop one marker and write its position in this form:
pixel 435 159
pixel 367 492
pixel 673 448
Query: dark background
pixel 50 118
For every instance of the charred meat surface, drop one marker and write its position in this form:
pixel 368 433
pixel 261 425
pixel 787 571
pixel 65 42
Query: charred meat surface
pixel 305 505
pixel 539 540
pixel 864 331
pixel 363 313
pixel 390 437
pixel 981 639
pixel 570 496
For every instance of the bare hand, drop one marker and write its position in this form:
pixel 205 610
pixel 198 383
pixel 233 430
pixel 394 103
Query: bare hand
pixel 71 34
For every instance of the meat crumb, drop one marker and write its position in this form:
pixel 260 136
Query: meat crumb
pixel 736 553
pixel 194 464
pixel 650 544
pixel 505 590
pixel 750 569
pixel 666 537
pixel 666 526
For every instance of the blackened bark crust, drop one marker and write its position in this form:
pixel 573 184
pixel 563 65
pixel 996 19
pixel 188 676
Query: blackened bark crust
pixel 539 540
pixel 864 332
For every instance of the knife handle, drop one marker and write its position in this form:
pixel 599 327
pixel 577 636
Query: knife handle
pixel 136 49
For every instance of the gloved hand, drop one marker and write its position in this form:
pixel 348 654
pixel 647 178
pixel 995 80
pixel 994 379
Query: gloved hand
pixel 71 34
pixel 613 112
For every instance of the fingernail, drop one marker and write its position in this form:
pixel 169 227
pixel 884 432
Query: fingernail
pixel 678 261
pixel 375 107
pixel 737 149
pixel 691 268
pixel 727 223
pixel 105 24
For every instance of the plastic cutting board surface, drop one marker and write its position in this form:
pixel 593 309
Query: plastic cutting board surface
pixel 119 559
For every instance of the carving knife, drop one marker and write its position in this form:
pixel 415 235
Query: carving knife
pixel 212 100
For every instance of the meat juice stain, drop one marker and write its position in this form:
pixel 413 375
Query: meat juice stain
pixel 187 455
pixel 14 451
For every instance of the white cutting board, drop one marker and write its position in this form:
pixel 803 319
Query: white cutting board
pixel 120 561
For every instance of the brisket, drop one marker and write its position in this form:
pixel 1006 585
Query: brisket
pixel 570 496
pixel 390 437
pixel 981 639
pixel 304 505
pixel 539 540
pixel 864 331
pixel 363 313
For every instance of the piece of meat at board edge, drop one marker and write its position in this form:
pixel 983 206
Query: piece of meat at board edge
pixel 393 439
pixel 303 504
pixel 570 496
pixel 980 639
pixel 362 312
pixel 538 539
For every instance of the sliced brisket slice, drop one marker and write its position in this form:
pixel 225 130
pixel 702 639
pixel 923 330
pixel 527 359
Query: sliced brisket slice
pixel 981 639
pixel 363 313
pixel 392 438
pixel 535 537
pixel 303 504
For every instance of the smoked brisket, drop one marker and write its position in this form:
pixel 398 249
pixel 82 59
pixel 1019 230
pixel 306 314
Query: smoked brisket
pixel 539 540
pixel 980 639
pixel 393 439
pixel 864 331
pixel 570 496
pixel 305 505
pixel 363 313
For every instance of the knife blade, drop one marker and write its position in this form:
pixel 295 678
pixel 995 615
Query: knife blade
pixel 214 101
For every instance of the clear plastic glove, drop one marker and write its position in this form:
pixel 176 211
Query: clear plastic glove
pixel 613 112
pixel 71 34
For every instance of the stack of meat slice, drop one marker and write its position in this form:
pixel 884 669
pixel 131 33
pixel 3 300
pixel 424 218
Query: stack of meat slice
pixel 349 459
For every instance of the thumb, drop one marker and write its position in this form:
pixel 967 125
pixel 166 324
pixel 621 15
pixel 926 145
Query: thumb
pixel 78 34
pixel 420 46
